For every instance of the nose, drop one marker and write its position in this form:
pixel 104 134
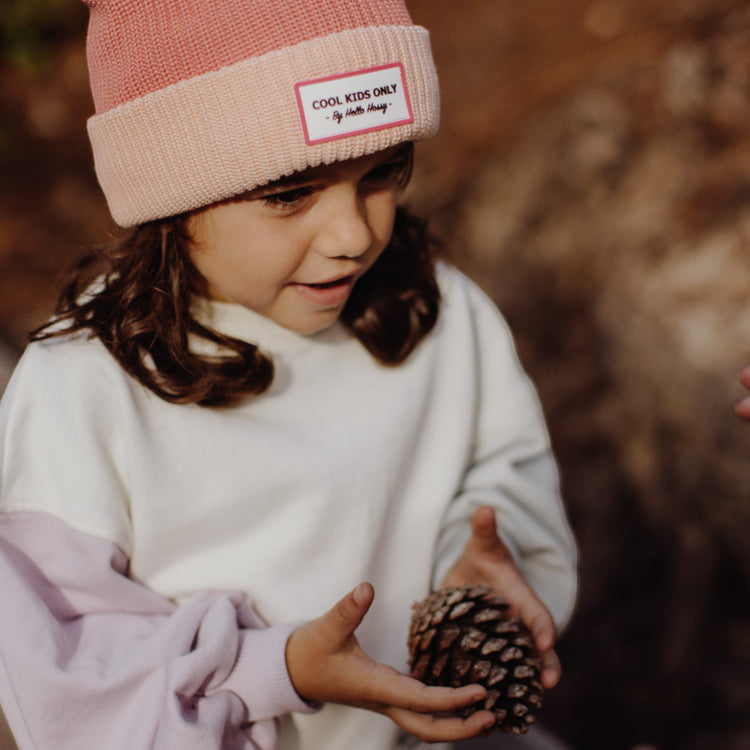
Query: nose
pixel 345 231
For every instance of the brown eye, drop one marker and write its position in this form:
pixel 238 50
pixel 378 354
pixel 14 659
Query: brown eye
pixel 287 201
pixel 287 197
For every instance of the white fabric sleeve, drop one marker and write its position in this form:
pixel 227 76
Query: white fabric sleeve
pixel 62 450
pixel 511 469
pixel 88 656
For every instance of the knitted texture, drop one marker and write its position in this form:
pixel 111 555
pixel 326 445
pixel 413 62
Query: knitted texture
pixel 196 102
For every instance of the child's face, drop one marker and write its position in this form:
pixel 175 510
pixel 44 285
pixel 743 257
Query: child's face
pixel 294 249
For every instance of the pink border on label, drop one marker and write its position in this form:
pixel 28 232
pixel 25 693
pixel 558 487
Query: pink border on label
pixel 352 133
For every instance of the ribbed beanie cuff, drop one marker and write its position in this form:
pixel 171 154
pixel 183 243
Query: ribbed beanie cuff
pixel 198 101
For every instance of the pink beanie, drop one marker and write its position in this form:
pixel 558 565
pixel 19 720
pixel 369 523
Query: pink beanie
pixel 197 101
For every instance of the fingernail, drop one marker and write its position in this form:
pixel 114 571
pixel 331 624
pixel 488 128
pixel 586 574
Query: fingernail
pixel 360 594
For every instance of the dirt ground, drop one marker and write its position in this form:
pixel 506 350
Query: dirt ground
pixel 592 173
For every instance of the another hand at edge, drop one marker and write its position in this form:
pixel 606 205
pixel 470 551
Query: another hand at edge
pixel 743 407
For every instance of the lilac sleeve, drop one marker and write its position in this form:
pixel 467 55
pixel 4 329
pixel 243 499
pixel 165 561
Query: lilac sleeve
pixel 90 658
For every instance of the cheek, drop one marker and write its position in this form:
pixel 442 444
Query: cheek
pixel 235 250
pixel 382 213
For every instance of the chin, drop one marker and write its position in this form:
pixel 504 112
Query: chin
pixel 311 327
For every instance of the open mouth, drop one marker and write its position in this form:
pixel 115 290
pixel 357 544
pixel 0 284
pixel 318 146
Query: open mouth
pixel 345 281
pixel 328 293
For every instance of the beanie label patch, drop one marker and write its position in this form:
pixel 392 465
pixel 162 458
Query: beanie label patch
pixel 353 103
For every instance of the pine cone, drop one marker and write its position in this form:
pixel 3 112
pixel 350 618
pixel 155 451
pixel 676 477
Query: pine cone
pixel 463 635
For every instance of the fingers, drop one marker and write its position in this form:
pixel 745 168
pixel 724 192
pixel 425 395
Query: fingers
pixel 484 532
pixel 430 728
pixel 486 560
pixel 316 650
pixel 389 687
pixel 346 615
pixel 425 711
pixel 518 593
pixel 551 669
pixel 533 613
pixel 743 407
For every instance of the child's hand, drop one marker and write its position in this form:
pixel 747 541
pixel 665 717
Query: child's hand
pixel 327 664
pixel 485 560
pixel 743 407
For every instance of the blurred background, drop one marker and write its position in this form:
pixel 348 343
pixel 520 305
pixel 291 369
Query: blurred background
pixel 592 174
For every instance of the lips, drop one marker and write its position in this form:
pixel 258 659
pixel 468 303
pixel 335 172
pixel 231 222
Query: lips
pixel 331 284
pixel 327 293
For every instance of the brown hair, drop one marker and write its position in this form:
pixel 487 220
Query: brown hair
pixel 135 296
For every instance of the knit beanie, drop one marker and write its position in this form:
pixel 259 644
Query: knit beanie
pixel 200 100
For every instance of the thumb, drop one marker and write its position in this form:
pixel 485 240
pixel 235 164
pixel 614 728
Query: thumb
pixel 346 615
pixel 483 527
pixel 484 536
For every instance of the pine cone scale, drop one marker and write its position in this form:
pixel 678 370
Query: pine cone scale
pixel 464 635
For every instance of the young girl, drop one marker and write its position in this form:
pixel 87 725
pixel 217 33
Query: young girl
pixel 264 396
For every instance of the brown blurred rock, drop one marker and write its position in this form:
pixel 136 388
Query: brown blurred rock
pixel 50 204
pixel 614 232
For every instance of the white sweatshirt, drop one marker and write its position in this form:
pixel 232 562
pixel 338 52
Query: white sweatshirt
pixel 344 471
